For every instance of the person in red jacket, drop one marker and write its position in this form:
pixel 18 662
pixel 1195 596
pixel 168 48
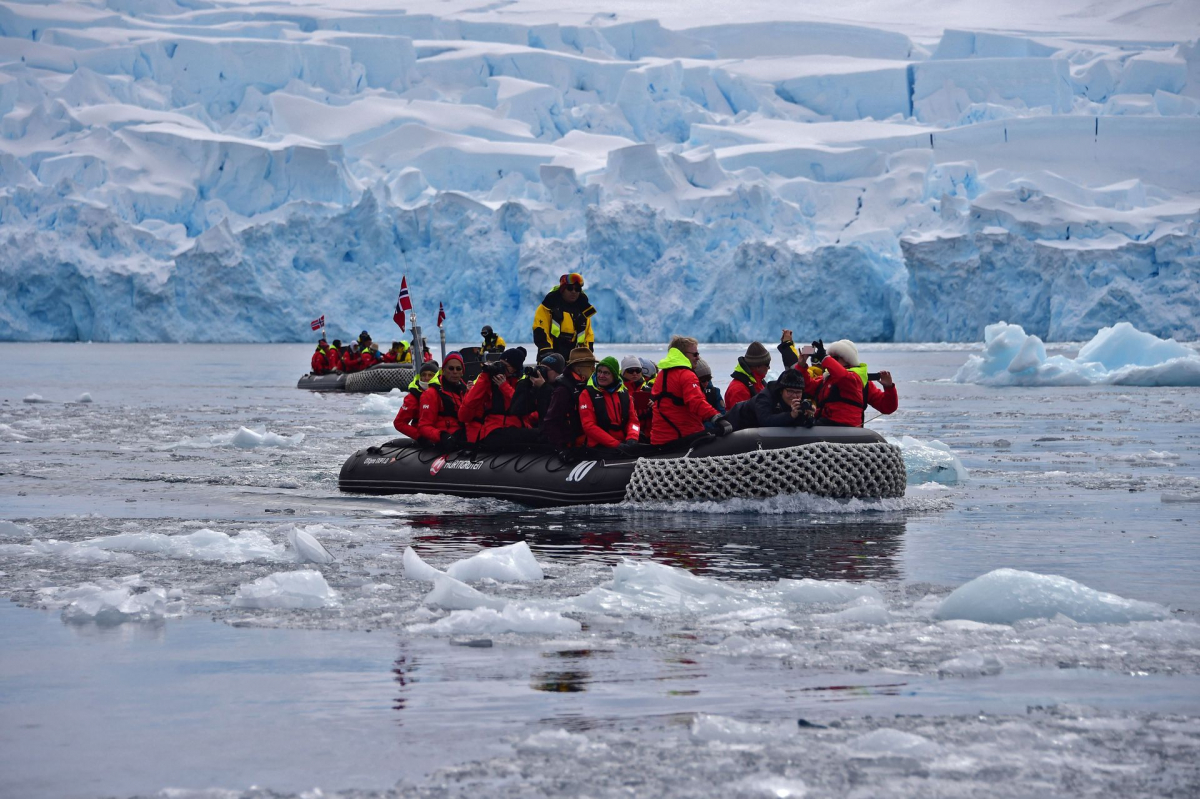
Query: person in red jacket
pixel 352 359
pixel 485 409
pixel 749 375
pixel 438 421
pixel 335 355
pixel 845 391
pixel 680 409
pixel 406 418
pixel 606 410
pixel 635 383
pixel 320 358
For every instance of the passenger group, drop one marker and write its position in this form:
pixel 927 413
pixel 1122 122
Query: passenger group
pixel 570 399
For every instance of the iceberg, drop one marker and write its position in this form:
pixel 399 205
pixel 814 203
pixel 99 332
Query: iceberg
pixel 512 563
pixel 929 462
pixel 1005 596
pixel 1118 355
pixel 112 603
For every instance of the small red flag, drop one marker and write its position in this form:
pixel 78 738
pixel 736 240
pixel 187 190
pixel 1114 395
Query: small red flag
pixel 317 324
pixel 403 303
pixel 441 315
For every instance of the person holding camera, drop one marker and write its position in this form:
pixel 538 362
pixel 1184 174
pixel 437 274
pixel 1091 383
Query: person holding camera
pixel 782 403
pixel 847 388
pixel 438 421
pixel 561 426
pixel 531 398
pixel 680 409
pixel 487 406
pixel 606 411
pixel 406 417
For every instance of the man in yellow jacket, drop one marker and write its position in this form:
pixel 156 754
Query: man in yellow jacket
pixel 564 319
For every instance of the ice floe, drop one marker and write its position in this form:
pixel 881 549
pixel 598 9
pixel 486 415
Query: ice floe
pixel 301 590
pixel 1117 355
pixel 210 545
pixel 1005 596
pixel 307 548
pixel 113 602
pixel 512 563
pixel 510 618
pixel 929 461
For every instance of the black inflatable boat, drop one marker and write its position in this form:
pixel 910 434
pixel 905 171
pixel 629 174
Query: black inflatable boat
pixel 841 462
pixel 380 377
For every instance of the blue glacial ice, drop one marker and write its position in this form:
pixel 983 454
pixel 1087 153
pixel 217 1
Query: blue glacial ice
pixel 1005 596
pixel 168 174
pixel 1117 355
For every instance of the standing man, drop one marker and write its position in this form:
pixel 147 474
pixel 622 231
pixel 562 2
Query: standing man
pixel 563 321
pixel 492 341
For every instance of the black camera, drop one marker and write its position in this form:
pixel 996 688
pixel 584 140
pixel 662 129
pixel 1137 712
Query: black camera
pixel 493 368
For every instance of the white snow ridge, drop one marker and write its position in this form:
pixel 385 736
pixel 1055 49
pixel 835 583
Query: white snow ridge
pixel 899 176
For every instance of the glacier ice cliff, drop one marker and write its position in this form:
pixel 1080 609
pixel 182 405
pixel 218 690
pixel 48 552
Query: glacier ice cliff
pixel 225 172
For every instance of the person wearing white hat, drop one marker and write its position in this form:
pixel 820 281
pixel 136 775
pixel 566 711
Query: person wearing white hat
pixel 846 391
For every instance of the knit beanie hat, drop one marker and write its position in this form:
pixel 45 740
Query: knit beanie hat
pixel 611 364
pixel 791 379
pixel 649 370
pixel 515 357
pixel 756 355
pixel 429 366
pixel 845 350
pixel 582 355
pixel 630 362
pixel 702 369
pixel 555 361
pixel 454 356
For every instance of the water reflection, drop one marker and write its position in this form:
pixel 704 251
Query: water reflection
pixel 561 682
pixel 735 546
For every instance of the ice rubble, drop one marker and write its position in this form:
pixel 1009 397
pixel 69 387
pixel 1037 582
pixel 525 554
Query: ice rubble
pixel 118 601
pixel 300 590
pixel 205 545
pixel 1005 596
pixel 506 564
pixel 1117 355
pixel 160 168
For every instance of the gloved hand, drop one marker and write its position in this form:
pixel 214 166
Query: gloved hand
pixel 819 354
pixel 723 427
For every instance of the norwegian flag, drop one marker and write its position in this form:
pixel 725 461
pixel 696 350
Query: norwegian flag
pixel 441 315
pixel 403 303
pixel 317 324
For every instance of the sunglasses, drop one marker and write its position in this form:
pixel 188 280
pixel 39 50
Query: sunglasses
pixel 694 354
pixel 637 369
pixel 452 368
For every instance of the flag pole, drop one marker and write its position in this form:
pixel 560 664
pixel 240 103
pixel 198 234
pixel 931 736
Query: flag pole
pixel 442 333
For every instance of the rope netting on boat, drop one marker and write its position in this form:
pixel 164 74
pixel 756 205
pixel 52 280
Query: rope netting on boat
pixel 379 379
pixel 823 469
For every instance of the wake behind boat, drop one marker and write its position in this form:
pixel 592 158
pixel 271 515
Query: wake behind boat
pixel 832 462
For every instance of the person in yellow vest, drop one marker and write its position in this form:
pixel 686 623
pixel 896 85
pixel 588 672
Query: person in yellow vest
pixel 563 321
pixel 492 341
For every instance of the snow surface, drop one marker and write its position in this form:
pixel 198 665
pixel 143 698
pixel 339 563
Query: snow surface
pixel 878 170
pixel 1117 355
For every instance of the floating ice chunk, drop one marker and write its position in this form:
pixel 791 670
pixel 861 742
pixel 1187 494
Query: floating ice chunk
pixel 971 664
pixel 887 742
pixel 864 610
pixel 35 398
pixel 1005 596
pixel 554 741
pixel 1117 355
pixel 932 461
pixel 454 594
pixel 115 604
pixel 1173 497
pixel 417 569
pixel 506 619
pixel 772 786
pixel 84 398
pixel 244 438
pixel 511 564
pixel 832 592
pixel 10 433
pixel 645 586
pixel 308 549
pixel 211 545
pixel 304 590
pixel 383 404
pixel 76 553
pixel 13 530
pixel 706 727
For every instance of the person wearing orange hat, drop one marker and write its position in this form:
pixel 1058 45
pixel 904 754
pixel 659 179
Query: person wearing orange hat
pixel 563 321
